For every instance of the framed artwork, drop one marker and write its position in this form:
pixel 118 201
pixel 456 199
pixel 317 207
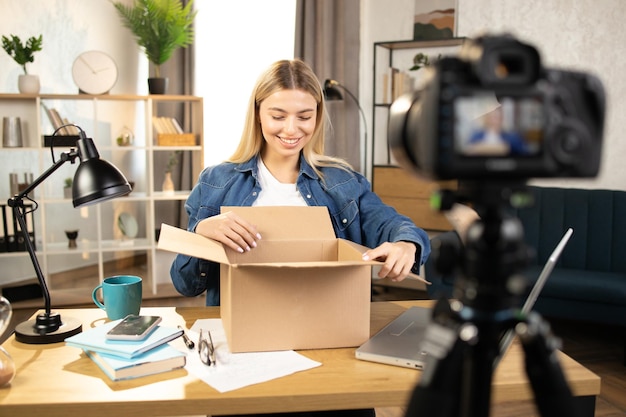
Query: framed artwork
pixel 434 19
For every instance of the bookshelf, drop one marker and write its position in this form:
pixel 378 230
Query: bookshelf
pixel 103 249
pixel 396 187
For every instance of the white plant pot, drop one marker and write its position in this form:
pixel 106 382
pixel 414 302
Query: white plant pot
pixel 28 84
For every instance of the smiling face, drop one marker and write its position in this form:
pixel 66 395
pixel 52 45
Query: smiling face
pixel 287 120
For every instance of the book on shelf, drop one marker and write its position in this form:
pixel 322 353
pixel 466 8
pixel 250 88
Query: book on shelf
pixel 11 236
pixel 394 84
pixel 387 85
pixel 57 121
pixel 160 359
pixel 94 339
pixel 167 125
pixel 71 129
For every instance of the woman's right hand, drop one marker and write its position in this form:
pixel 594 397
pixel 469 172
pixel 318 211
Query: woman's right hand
pixel 231 230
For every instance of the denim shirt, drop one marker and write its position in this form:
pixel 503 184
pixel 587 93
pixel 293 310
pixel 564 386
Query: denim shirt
pixel 357 214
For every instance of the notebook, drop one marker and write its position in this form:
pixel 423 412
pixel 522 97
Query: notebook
pixel 398 343
pixel 94 339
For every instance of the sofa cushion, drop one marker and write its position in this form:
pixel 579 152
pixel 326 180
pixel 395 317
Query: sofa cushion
pixel 589 280
pixel 598 218
pixel 576 284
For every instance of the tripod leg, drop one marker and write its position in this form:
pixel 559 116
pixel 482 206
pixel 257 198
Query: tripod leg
pixel 437 393
pixel 552 393
pixel 453 378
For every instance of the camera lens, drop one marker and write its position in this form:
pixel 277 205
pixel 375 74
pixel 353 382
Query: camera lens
pixel 571 142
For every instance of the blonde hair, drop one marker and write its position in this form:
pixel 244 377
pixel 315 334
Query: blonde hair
pixel 286 75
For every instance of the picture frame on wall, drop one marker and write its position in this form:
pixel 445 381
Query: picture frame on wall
pixel 434 19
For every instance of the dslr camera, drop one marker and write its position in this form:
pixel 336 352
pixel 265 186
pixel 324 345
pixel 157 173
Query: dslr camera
pixel 493 112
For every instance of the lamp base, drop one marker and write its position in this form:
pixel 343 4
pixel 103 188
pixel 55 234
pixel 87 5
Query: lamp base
pixel 47 328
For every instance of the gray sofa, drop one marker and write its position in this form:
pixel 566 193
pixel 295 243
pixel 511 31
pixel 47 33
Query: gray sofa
pixel 589 281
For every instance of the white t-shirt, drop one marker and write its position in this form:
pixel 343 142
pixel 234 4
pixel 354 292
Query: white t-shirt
pixel 275 193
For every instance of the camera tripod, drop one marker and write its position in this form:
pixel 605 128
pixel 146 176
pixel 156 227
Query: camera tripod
pixel 462 342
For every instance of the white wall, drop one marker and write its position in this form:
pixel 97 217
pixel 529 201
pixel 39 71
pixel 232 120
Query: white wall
pixel 69 27
pixel 586 35
pixel 237 40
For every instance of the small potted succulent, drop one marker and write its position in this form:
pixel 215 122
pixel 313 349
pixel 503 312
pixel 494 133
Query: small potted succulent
pixel 160 27
pixel 23 53
pixel 67 187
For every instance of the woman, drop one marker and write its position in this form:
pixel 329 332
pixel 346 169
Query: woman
pixel 280 161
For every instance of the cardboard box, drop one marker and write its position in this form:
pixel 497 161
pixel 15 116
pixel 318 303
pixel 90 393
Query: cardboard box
pixel 301 288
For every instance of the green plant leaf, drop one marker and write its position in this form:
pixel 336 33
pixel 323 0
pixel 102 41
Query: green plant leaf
pixel 159 26
pixel 22 53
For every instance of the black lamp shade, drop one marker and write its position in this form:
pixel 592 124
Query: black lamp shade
pixel 95 179
pixel 331 92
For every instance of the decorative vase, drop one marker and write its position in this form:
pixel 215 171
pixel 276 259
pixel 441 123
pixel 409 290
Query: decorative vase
pixel 71 238
pixel 168 184
pixel 28 84
pixel 67 192
pixel 157 85
pixel 11 132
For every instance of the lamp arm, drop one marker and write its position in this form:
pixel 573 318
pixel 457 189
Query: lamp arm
pixel 362 117
pixel 65 156
pixel 17 203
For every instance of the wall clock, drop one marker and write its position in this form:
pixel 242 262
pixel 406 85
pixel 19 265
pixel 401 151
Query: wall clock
pixel 94 72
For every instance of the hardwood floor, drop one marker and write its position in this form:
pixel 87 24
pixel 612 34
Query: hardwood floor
pixel 599 348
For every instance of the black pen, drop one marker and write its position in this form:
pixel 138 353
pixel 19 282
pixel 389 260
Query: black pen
pixel 188 342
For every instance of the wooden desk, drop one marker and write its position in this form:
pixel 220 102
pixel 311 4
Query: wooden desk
pixel 57 380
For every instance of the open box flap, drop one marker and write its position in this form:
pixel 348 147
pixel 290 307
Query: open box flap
pixel 178 240
pixel 312 264
pixel 288 223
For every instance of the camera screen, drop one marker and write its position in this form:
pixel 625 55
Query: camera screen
pixel 506 126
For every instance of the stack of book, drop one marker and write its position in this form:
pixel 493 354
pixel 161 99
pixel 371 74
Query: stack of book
pixel 121 360
pixel 60 124
pixel 394 84
pixel 166 125
pixel 170 133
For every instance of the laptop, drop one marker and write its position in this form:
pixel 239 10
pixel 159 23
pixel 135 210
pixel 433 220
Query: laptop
pixel 398 343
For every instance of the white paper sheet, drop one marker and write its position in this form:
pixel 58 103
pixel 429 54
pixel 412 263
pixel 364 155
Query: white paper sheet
pixel 237 370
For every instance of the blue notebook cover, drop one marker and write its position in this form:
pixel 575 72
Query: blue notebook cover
pixel 94 339
pixel 161 359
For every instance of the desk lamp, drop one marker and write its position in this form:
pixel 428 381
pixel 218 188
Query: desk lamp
pixel 95 180
pixel 332 93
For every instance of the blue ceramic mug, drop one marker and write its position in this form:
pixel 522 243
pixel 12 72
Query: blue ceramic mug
pixel 121 296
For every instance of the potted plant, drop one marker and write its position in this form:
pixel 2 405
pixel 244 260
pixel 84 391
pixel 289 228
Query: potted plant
pixel 160 27
pixel 23 53
pixel 67 187
pixel 419 60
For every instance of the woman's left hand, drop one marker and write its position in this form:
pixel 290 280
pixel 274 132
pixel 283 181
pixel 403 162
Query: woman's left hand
pixel 398 258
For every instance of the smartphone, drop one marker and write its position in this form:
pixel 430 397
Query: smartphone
pixel 133 327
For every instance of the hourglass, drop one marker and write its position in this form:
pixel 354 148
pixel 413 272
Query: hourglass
pixel 7 366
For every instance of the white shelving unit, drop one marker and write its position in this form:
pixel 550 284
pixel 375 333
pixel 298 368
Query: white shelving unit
pixel 398 55
pixel 102 248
